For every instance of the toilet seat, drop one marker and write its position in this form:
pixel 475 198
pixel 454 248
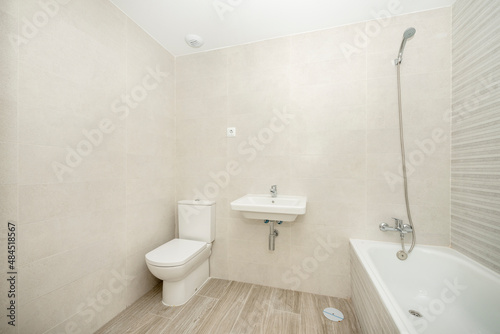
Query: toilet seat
pixel 174 253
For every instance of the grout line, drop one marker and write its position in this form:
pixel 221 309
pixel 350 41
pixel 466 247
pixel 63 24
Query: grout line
pixel 216 303
pixel 127 288
pixel 18 211
pixel 365 176
pixel 178 313
pixel 147 302
pixel 176 144
pixel 223 291
pixel 288 312
pixel 242 307
pixel 269 307
pixel 208 315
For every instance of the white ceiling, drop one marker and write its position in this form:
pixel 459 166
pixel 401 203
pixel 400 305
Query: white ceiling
pixel 224 23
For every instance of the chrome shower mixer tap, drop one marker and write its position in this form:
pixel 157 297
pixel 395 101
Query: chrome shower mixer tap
pixel 398 227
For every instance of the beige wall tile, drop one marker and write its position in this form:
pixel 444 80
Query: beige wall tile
pixel 337 148
pixel 260 56
pixel 8 139
pixel 323 45
pixel 9 203
pixel 148 225
pixel 218 259
pixel 89 303
pixel 9 166
pixel 8 120
pixel 8 73
pixel 73 73
pixel 195 107
pixel 202 65
pixel 90 54
pixel 10 7
pixel 141 279
pixel 46 238
pixel 37 278
pixel 205 87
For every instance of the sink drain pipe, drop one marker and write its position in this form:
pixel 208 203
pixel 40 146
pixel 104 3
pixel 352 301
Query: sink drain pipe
pixel 272 232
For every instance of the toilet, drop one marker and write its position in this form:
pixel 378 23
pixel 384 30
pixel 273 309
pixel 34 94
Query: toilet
pixel 182 264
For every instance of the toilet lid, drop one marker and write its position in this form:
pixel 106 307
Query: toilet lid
pixel 176 252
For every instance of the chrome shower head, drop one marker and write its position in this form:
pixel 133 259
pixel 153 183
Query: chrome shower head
pixel 409 33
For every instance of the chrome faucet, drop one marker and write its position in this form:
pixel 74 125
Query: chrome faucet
pixel 398 227
pixel 274 190
pixel 402 229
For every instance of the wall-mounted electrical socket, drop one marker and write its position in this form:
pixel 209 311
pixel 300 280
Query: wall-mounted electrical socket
pixel 231 132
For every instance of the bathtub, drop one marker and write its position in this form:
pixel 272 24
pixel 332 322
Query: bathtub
pixel 452 293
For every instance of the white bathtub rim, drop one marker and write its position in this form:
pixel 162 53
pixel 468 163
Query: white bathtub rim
pixel 383 291
pixel 398 315
pixel 449 252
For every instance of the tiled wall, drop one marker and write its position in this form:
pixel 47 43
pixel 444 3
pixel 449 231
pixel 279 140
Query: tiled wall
pixel 339 147
pixel 475 205
pixel 82 236
pixel 373 316
pixel 81 64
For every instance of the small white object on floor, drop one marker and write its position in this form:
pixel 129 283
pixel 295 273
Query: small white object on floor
pixel 333 314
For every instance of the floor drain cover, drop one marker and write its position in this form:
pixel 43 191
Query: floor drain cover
pixel 415 313
pixel 333 314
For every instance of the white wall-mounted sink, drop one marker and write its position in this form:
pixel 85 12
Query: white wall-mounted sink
pixel 266 207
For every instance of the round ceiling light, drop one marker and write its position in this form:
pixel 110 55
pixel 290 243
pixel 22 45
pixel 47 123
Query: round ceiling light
pixel 193 40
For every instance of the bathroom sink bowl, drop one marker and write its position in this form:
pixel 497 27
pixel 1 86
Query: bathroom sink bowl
pixel 283 208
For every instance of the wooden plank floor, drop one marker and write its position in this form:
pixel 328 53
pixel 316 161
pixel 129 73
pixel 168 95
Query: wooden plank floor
pixel 228 307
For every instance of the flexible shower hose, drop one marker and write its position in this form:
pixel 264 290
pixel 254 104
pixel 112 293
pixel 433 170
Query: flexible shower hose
pixel 403 163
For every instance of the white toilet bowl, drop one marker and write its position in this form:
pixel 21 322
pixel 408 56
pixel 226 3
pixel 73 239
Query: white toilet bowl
pixel 182 264
pixel 183 267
